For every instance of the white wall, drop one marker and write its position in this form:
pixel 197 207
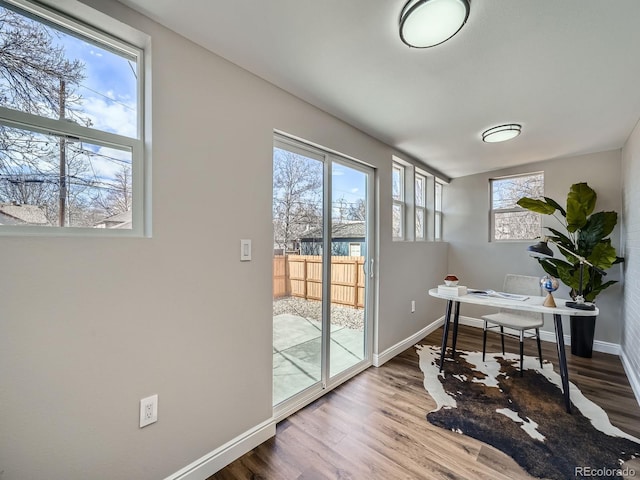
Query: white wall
pixel 631 240
pixel 90 326
pixel 483 264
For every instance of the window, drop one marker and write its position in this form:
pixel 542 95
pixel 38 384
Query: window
pixel 71 147
pixel 417 196
pixel 508 220
pixel 355 250
pixel 421 206
pixel 398 201
pixel 438 211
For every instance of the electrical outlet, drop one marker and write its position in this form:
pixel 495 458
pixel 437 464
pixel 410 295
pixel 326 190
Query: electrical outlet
pixel 413 306
pixel 148 410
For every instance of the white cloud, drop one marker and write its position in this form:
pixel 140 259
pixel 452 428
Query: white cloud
pixel 110 116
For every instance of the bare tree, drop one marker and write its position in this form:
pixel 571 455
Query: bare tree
pixel 118 197
pixel 297 196
pixel 357 210
pixel 514 222
pixel 37 78
pixel 33 68
pixel 340 209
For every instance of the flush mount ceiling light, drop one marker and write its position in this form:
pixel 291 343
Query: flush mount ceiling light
pixel 426 23
pixel 501 133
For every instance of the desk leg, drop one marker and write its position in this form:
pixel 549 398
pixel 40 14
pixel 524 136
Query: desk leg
pixel 455 328
pixel 445 332
pixel 562 359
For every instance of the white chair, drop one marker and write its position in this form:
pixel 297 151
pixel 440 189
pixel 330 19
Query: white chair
pixel 516 319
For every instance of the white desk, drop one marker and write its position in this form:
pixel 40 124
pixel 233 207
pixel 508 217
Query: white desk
pixel 532 304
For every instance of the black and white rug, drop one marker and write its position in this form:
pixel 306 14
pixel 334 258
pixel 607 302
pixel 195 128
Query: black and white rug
pixel 525 417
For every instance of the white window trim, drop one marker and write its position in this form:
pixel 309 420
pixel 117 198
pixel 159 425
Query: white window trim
pixel 140 167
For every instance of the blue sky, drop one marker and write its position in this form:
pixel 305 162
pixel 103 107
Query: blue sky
pixel 109 98
pixel 348 183
pixel 109 89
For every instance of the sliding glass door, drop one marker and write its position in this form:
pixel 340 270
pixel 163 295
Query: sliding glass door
pixel 322 271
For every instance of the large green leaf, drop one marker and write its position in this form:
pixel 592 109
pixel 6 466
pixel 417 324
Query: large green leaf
pixel 556 205
pixel 591 234
pixel 591 296
pixel 552 266
pixel 548 267
pixel 535 205
pixel 570 276
pixel 603 255
pixel 581 202
pixel 562 238
pixel 599 226
pixel 610 221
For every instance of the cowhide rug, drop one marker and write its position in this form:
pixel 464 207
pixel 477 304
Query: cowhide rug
pixel 525 417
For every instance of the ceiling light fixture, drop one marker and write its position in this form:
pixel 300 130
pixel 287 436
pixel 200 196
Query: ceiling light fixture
pixel 501 133
pixel 426 23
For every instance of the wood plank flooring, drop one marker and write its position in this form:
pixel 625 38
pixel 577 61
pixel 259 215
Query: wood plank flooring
pixel 374 427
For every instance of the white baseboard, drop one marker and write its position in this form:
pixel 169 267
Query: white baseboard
pixel 381 358
pixel 632 375
pixel 598 345
pixel 210 463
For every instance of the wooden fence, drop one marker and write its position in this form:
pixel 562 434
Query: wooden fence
pixel 301 276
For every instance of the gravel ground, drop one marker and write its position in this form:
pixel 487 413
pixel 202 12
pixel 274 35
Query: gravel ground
pixel 340 315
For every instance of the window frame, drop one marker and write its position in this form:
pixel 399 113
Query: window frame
pixel 140 185
pixel 494 211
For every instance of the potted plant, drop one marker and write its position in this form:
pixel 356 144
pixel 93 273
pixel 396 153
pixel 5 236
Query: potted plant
pixel 587 234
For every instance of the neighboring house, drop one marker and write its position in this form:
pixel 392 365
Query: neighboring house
pixel 119 220
pixel 348 239
pixel 17 214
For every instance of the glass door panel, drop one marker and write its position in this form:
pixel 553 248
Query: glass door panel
pixel 349 234
pixel 298 189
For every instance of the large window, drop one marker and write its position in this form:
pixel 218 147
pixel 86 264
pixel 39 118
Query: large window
pixel 71 149
pixel 508 220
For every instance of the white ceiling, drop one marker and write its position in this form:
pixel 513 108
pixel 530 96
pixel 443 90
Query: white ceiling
pixel 568 71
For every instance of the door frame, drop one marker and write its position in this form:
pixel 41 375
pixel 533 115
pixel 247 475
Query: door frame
pixel 327 383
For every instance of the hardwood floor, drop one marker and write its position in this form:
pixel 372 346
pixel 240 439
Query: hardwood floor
pixel 374 426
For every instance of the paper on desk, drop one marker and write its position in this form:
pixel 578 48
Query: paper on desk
pixel 493 293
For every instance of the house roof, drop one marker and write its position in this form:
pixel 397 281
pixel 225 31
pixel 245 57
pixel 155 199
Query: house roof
pixel 119 220
pixel 354 229
pixel 29 214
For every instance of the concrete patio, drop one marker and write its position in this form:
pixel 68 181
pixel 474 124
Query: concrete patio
pixel 296 353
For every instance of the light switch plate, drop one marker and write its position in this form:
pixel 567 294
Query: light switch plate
pixel 245 250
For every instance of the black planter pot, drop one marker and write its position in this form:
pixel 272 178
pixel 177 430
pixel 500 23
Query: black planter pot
pixel 582 332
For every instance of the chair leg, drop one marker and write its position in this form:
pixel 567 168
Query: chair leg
pixel 484 339
pixel 539 347
pixel 521 352
pixel 502 337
